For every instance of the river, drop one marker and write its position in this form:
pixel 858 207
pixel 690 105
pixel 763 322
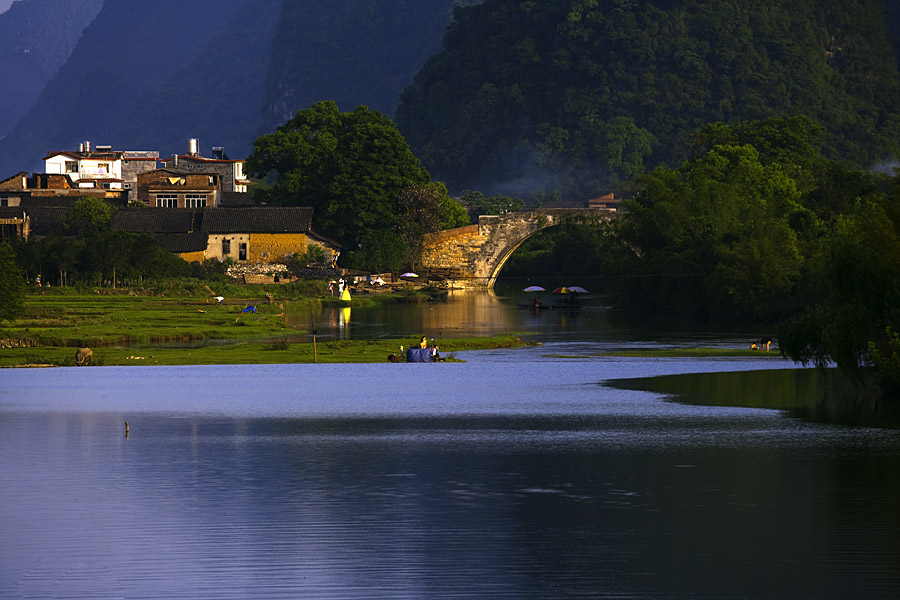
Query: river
pixel 517 474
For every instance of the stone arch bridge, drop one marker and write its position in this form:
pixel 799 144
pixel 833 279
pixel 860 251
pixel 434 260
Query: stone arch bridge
pixel 472 256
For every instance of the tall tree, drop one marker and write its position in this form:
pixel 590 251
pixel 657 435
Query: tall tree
pixel 350 167
pixel 12 285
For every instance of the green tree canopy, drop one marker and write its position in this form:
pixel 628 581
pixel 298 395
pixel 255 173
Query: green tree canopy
pixel 88 216
pixel 714 236
pixel 350 167
pixel 579 96
pixel 12 285
pixel 476 203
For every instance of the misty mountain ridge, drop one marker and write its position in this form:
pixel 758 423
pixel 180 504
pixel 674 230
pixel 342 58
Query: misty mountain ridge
pixel 223 71
pixel 579 98
pixel 514 97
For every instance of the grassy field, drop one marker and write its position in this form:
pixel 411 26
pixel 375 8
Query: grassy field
pixel 126 329
pixel 247 353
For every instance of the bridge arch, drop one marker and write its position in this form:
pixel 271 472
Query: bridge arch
pixel 473 256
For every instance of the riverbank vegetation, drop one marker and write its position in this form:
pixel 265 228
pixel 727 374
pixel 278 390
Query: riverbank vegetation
pixel 250 352
pixel 759 227
pixel 131 327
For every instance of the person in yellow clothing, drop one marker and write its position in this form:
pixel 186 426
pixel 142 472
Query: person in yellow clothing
pixel 423 343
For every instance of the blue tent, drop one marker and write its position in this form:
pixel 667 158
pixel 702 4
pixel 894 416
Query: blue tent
pixel 418 355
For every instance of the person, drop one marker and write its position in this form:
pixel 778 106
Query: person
pixel 423 343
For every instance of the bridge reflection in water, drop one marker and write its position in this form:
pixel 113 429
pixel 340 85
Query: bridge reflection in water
pixel 464 313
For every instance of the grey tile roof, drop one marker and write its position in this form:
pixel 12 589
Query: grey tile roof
pixel 182 242
pixel 44 219
pixel 11 212
pixel 231 199
pixel 158 220
pixel 262 219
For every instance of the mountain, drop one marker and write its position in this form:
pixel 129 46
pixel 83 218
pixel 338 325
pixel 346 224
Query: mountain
pixel 150 75
pixel 36 38
pixel 579 97
pixel 353 52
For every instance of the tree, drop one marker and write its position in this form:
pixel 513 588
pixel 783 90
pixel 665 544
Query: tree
pixel 476 203
pixel 88 216
pixel 713 237
pixel 12 284
pixel 350 167
pixel 858 292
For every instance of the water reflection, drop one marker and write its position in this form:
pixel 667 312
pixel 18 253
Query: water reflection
pixel 480 313
pixel 813 394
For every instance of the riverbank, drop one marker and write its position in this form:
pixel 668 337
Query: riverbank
pixel 182 314
pixel 279 351
pixel 195 326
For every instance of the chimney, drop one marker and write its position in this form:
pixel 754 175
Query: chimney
pixel 175 158
pixel 81 147
pixel 87 146
pixel 193 146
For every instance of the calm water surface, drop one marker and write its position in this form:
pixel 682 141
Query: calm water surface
pixel 514 475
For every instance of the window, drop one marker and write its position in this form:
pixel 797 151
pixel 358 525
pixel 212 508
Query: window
pixel 242 252
pixel 167 201
pixel 226 247
pixel 71 166
pixel 4 201
pixel 195 200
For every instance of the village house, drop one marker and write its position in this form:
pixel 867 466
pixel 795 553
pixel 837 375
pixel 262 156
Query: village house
pixel 14 223
pixel 174 188
pixel 243 234
pixel 54 189
pixel 231 172
pixel 606 202
pixel 208 212
pixel 101 168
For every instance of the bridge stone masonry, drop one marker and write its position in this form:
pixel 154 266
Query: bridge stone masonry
pixel 473 256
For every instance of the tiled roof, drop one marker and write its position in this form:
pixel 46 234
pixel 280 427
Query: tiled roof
pixel 262 219
pixel 182 242
pixel 158 220
pixel 232 199
pixel 44 219
pixel 29 202
pixel 11 212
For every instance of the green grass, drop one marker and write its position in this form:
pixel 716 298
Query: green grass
pixel 244 353
pixel 103 320
pixel 127 329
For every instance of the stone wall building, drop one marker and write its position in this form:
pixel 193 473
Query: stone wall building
pixel 175 188
pixel 15 190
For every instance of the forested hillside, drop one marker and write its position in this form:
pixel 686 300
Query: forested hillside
pixel 36 38
pixel 580 96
